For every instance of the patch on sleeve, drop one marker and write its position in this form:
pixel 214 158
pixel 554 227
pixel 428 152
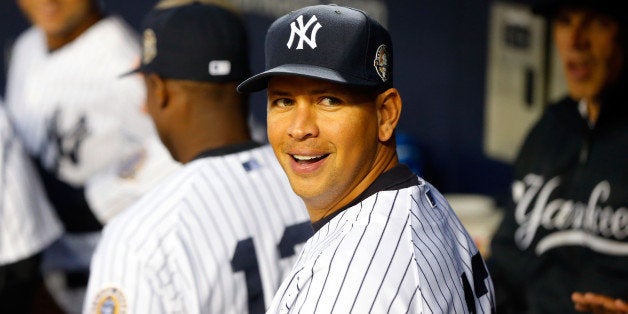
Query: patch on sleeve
pixel 109 301
pixel 130 167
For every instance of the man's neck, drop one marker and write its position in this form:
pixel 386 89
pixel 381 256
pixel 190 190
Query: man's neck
pixel 56 41
pixel 385 161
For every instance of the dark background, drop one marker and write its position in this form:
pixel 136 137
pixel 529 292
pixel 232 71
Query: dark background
pixel 440 67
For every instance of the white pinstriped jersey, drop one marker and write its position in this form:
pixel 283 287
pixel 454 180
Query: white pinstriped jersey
pixel 70 106
pixel 27 222
pixel 398 248
pixel 216 237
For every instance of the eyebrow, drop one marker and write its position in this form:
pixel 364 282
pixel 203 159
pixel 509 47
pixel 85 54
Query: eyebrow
pixel 279 92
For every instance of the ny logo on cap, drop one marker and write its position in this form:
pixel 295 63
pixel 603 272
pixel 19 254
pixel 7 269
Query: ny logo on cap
pixel 311 41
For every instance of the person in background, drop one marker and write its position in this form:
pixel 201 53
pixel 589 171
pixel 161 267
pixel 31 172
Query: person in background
pixel 218 235
pixel 28 223
pixel 386 240
pixel 563 244
pixel 75 117
pixel 113 190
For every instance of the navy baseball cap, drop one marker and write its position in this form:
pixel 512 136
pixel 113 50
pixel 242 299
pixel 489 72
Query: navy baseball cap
pixel 327 42
pixel 195 41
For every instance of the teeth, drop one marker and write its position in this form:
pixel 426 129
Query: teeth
pixel 306 158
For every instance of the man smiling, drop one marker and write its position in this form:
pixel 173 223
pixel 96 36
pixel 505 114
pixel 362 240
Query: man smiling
pixel 321 153
pixel 386 240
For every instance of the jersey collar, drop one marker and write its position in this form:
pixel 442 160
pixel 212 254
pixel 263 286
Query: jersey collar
pixel 229 149
pixel 399 177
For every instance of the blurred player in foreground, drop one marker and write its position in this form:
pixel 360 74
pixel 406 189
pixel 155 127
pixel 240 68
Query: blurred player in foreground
pixel 219 235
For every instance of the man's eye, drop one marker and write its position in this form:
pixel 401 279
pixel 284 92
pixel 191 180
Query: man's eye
pixel 282 102
pixel 330 101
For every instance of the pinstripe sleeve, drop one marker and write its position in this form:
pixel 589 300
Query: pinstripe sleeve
pixel 452 273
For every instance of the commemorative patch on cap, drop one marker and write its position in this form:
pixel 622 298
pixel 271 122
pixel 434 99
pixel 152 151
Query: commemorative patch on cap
pixel 149 51
pixel 109 300
pixel 381 62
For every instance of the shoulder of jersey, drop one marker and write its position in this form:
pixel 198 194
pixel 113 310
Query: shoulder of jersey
pixel 29 39
pixel 118 31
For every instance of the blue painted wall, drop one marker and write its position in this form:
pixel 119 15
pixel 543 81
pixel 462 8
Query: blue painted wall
pixel 440 60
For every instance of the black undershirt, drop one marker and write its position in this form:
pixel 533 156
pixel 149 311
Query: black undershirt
pixel 399 177
pixel 229 149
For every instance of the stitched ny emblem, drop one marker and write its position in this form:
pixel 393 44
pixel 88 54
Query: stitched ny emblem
pixel 302 30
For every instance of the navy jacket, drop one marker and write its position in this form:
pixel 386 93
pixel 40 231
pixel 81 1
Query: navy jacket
pixel 566 229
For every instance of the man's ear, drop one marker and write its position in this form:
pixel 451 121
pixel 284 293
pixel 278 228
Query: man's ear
pixel 388 112
pixel 157 86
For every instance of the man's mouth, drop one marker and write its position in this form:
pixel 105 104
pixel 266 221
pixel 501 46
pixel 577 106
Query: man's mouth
pixel 579 71
pixel 308 159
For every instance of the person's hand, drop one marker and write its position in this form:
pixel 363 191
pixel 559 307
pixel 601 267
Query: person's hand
pixel 598 304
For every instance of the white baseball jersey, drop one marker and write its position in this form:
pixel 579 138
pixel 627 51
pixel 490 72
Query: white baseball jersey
pixel 27 222
pixel 77 116
pixel 216 237
pixel 70 106
pixel 398 248
pixel 111 191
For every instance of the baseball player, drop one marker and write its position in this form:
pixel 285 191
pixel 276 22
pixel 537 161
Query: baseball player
pixel 385 240
pixel 219 235
pixel 27 223
pixel 74 115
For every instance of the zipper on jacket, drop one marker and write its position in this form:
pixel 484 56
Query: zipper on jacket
pixel 586 143
pixel 584 151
